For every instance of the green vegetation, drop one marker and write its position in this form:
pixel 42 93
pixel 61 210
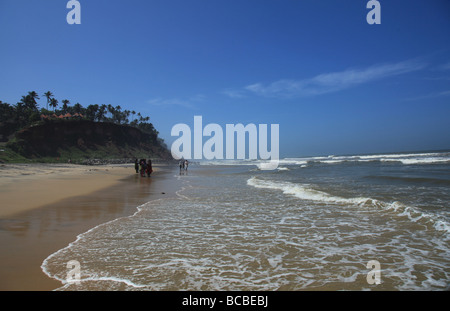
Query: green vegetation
pixel 26 115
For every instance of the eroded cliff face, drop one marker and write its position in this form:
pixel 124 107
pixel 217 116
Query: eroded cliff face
pixel 86 138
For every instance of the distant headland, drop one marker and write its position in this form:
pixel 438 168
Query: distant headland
pixel 76 134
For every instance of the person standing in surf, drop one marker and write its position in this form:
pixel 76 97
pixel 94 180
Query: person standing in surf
pixel 149 168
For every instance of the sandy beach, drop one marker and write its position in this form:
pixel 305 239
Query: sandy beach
pixel 25 186
pixel 45 206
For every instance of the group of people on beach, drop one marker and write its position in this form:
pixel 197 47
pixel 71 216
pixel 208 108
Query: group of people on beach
pixel 143 167
pixel 183 165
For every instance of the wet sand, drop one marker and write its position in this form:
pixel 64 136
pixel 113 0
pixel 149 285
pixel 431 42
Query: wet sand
pixel 49 208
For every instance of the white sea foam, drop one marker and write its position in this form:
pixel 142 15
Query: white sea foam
pixel 293 161
pixel 433 160
pixel 404 158
pixel 103 279
pixel 282 168
pixel 306 192
pixel 407 159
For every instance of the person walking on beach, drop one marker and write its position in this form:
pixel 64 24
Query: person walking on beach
pixel 149 168
pixel 186 165
pixel 181 163
pixel 143 167
pixel 136 166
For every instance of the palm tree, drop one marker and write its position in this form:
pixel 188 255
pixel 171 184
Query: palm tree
pixel 111 110
pixel 117 115
pixel 101 113
pixel 29 101
pixel 49 96
pixel 54 103
pixel 126 114
pixel 91 112
pixel 33 96
pixel 65 105
pixel 77 108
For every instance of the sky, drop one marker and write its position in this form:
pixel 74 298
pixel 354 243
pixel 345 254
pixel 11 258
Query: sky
pixel 333 83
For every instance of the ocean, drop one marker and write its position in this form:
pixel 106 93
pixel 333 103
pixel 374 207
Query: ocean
pixel 315 223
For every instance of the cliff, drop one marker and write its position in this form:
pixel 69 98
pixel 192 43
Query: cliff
pixel 83 139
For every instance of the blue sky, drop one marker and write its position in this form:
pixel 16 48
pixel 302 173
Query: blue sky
pixel 334 83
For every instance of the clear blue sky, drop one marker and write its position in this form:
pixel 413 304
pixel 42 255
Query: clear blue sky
pixel 335 84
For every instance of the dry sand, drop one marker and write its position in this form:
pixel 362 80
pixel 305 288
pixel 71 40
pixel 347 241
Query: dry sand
pixel 45 206
pixel 28 186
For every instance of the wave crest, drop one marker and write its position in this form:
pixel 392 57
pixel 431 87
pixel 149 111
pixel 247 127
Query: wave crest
pixel 306 192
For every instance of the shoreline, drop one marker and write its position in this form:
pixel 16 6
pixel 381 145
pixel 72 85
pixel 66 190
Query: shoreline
pixel 35 231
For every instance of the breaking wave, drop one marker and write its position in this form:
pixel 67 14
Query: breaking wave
pixel 307 192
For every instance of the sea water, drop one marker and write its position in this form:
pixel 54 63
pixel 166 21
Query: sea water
pixel 312 224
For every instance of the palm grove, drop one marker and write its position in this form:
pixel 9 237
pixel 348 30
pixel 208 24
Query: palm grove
pixel 26 113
